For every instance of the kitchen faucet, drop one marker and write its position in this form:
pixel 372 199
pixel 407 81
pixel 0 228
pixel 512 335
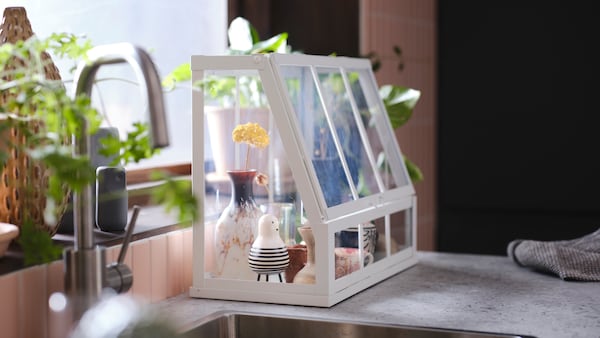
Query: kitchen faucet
pixel 86 273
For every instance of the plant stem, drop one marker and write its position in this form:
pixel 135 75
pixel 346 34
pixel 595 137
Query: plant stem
pixel 247 157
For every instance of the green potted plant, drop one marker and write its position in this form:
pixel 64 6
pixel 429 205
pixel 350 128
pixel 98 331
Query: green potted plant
pixel 399 103
pixel 244 40
pixel 222 93
pixel 45 117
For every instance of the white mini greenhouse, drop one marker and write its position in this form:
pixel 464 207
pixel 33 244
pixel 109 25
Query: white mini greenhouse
pixel 332 167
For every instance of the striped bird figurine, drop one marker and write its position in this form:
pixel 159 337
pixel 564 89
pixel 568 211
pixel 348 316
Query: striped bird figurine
pixel 268 254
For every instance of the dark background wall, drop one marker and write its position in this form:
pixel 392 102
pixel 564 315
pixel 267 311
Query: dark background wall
pixel 314 26
pixel 519 122
pixel 518 115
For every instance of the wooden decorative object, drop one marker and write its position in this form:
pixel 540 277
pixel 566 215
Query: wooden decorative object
pixel 23 182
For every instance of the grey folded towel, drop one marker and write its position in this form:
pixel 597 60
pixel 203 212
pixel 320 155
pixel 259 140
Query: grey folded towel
pixel 577 259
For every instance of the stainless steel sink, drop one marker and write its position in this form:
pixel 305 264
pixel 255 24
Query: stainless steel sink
pixel 255 325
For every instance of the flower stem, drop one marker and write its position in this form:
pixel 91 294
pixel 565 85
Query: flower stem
pixel 247 157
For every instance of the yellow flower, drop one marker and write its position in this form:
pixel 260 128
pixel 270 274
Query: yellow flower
pixel 252 134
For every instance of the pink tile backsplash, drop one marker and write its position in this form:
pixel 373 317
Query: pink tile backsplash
pixel 174 264
pixel 112 253
pixel 128 255
pixel 33 301
pixel 411 25
pixel 9 306
pixel 188 253
pixel 56 278
pixel 159 272
pixel 142 269
pixel 58 321
pixel 159 266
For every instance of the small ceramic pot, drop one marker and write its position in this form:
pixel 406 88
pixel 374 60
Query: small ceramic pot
pixel 348 238
pixel 347 260
pixel 297 255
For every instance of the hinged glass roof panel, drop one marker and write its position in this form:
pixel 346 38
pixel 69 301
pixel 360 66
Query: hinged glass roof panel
pixel 345 130
pixel 330 130
pixel 381 138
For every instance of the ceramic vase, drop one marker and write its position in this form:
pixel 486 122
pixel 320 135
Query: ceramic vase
pixel 236 228
pixel 307 274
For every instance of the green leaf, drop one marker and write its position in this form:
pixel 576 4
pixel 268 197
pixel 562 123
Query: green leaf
pixel 398 52
pixel 134 148
pixel 46 117
pixel 399 102
pixel 276 44
pixel 110 146
pixel 254 34
pixel 75 171
pixel 37 245
pixel 375 60
pixel 175 194
pixel 244 39
pixel 414 172
pixel 181 73
pixel 68 45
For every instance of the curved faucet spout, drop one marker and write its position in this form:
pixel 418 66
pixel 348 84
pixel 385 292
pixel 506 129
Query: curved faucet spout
pixel 149 82
pixel 85 275
pixel 146 75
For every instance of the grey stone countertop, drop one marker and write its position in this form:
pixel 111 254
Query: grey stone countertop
pixel 452 291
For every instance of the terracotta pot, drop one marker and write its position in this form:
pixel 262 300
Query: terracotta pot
pixel 297 255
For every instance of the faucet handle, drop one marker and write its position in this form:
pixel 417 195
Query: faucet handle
pixel 128 234
pixel 119 275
